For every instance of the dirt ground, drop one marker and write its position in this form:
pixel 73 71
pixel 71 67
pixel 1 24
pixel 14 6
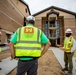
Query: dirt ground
pixel 47 64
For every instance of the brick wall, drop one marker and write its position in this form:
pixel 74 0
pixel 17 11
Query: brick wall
pixel 70 23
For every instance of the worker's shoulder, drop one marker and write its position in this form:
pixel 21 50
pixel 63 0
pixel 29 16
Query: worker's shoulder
pixel 71 37
pixel 38 29
pixel 19 28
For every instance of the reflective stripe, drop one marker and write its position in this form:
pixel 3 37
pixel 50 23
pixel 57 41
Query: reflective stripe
pixel 19 33
pixel 38 35
pixel 29 42
pixel 28 48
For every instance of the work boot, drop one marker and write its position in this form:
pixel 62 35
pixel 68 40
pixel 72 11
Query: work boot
pixel 69 73
pixel 0 68
pixel 65 69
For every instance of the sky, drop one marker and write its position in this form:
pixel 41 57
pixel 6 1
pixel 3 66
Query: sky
pixel 38 5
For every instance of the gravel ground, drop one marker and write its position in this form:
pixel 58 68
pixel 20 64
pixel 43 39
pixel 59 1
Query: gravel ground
pixel 47 64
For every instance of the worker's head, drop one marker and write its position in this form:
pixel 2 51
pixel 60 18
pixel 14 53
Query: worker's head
pixel 68 32
pixel 30 19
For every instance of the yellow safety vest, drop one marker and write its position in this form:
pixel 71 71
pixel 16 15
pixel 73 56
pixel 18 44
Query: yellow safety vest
pixel 28 42
pixel 0 49
pixel 68 44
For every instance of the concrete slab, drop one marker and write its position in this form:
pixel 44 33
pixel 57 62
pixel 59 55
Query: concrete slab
pixel 5 48
pixel 7 65
pixel 60 57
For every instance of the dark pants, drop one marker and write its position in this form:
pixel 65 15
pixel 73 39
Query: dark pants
pixel 27 66
pixel 68 60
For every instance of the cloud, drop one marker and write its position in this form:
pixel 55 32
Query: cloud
pixel 38 5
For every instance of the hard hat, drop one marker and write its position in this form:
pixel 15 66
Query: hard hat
pixel 68 31
pixel 30 18
pixel 0 33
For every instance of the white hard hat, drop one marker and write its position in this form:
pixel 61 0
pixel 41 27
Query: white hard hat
pixel 29 18
pixel 68 31
pixel 0 33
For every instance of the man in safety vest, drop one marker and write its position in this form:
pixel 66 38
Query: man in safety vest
pixel 26 45
pixel 69 48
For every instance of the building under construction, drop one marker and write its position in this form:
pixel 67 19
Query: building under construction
pixel 12 16
pixel 53 20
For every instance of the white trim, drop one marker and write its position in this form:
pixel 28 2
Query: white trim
pixel 6 31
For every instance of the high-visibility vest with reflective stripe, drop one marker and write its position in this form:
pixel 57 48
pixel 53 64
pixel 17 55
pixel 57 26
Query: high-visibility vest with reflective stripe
pixel 68 44
pixel 28 42
pixel 0 49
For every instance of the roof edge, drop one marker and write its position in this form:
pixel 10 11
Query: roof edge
pixel 26 5
pixel 61 9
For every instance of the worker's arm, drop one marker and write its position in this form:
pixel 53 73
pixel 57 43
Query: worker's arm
pixel 12 50
pixel 46 46
pixel 73 46
pixel 44 41
pixel 13 41
pixel 62 48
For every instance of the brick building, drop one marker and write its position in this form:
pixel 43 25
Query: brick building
pixel 54 21
pixel 12 16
